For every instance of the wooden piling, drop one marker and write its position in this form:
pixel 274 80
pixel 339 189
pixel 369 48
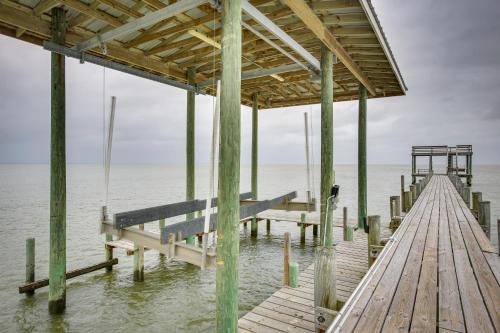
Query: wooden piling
pixel 108 238
pixel 286 258
pixel 413 190
pixel 466 192
pixel 344 222
pixel 349 233
pixel 326 132
pixel 268 225
pixel 57 254
pixel 373 236
pixel 30 262
pixel 407 201
pixel 190 144
pixel 485 216
pixel 255 157
pixel 254 227
pixel 325 280
pixel 139 260
pixel 228 214
pixel 302 228
pixel 293 275
pixel 476 198
pixel 362 191
pixel 403 209
pixel 315 231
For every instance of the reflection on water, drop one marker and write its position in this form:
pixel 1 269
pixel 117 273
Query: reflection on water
pixel 174 296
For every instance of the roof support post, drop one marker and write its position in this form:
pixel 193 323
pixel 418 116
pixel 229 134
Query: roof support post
pixel 362 157
pixel 57 254
pixel 190 145
pixel 326 140
pixel 228 214
pixel 255 156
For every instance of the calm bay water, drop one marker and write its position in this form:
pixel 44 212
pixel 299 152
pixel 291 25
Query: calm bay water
pixel 174 297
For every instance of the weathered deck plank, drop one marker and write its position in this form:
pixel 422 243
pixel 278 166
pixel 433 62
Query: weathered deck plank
pixel 440 275
pixel 292 309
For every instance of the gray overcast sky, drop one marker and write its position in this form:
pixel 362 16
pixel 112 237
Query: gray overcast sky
pixel 448 52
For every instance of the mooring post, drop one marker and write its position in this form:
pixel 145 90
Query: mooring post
pixel 373 237
pixel 362 195
pixel 344 222
pixel 268 226
pixel 484 216
pixel 255 158
pixel 293 275
pixel 286 258
pixel 57 254
pixel 326 133
pixel 302 228
pixel 407 201
pixel 228 214
pixel 418 187
pixel 315 231
pixel 190 145
pixel 30 262
pixel 476 198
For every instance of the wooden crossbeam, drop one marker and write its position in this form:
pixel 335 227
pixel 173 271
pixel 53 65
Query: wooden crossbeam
pixel 69 275
pixel 196 226
pixel 307 15
pixel 141 216
pixel 144 21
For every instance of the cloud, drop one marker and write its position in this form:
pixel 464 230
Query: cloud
pixel 448 53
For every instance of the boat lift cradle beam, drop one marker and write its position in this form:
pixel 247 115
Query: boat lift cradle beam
pixel 178 249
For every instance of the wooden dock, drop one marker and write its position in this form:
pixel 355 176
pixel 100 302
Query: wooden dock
pixel 292 309
pixel 440 273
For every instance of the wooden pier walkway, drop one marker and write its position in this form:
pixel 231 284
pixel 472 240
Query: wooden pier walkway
pixel 440 273
pixel 292 309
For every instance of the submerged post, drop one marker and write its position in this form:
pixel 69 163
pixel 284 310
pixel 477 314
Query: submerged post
pixel 362 157
pixel 57 255
pixel 190 145
pixel 30 262
pixel 326 133
pixel 228 242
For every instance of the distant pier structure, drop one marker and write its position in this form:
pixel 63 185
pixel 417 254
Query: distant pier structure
pixel 454 157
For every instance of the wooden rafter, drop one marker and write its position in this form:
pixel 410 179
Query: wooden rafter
pixel 311 20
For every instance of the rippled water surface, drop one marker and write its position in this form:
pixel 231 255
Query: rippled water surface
pixel 174 297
